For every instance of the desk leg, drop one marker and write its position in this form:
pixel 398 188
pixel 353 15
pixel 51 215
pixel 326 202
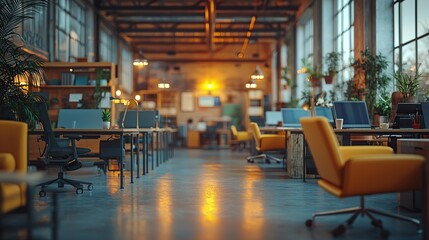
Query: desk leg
pixel 157 149
pixel 138 155
pixel 151 148
pixel 144 152
pixel 121 168
pixel 132 158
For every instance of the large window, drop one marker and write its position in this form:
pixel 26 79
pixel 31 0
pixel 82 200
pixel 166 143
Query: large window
pixel 411 34
pixel 35 32
pixel 70 30
pixel 411 44
pixel 126 80
pixel 305 41
pixel 344 37
pixel 107 47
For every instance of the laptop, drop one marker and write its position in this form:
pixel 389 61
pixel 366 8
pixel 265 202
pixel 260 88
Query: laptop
pixel 272 118
pixel 291 116
pixel 147 118
pixel 354 114
pixel 325 112
pixel 80 118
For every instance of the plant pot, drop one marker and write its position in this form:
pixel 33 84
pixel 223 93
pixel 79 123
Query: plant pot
pixel 315 81
pixel 106 125
pixel 328 79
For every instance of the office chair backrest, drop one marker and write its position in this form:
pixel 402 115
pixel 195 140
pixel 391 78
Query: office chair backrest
pixel 46 124
pixel 13 140
pixel 256 133
pixel 324 147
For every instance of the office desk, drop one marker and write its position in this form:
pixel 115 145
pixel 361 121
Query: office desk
pixel 296 147
pixel 91 132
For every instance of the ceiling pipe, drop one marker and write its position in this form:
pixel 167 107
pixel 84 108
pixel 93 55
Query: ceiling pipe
pixel 248 35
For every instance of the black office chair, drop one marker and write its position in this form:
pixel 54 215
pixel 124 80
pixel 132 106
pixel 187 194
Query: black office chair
pixel 58 152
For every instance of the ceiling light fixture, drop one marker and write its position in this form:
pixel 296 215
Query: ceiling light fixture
pixel 141 61
pixel 251 84
pixel 257 74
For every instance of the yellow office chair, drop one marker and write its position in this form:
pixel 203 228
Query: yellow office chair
pixel 13 158
pixel 239 138
pixel 266 143
pixel 347 171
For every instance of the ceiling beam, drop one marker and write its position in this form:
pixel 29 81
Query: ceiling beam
pixel 191 30
pixel 112 9
pixel 197 60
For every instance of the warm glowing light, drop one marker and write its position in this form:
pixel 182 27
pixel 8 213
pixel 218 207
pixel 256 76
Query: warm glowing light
pixel 210 86
pixel 140 62
pixel 137 97
pixel 118 93
pixel 257 74
pixel 163 85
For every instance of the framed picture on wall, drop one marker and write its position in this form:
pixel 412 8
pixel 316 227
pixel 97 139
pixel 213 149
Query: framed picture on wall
pixel 187 101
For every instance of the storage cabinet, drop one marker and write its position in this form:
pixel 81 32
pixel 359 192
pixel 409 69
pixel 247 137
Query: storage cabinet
pixel 77 85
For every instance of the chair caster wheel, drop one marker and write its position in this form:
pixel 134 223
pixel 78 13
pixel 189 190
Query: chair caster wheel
pixel 79 190
pixel 377 223
pixel 42 193
pixel 90 187
pixel 309 223
pixel 339 230
pixel 384 234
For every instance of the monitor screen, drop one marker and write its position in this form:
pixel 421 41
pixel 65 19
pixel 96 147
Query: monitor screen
pixel 408 108
pixel 425 113
pixel 147 118
pixel 272 118
pixel 80 118
pixel 291 116
pixel 208 101
pixel 325 112
pixel 354 114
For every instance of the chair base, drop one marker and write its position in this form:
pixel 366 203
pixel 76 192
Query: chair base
pixel 61 181
pixel 361 210
pixel 267 158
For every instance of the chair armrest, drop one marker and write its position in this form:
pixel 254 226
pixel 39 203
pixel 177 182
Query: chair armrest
pixel 382 173
pixel 347 152
pixel 7 162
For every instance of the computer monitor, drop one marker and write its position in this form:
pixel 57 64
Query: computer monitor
pixel 425 114
pixel 147 118
pixel 354 114
pixel 80 118
pixel 291 116
pixel 325 112
pixel 408 108
pixel 272 118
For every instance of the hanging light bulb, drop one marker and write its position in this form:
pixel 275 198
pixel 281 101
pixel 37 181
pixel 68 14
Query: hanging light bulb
pixel 257 74
pixel 251 84
pixel 141 61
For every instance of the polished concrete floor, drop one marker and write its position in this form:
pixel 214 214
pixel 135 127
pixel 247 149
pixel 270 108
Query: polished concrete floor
pixel 212 194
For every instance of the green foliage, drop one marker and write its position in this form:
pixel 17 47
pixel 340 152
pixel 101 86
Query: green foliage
pixel 376 81
pixel 384 105
pixel 285 76
pixel 332 59
pixel 16 103
pixel 407 82
pixel 106 115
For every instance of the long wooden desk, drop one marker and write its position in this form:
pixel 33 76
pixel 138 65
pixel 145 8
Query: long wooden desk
pixel 296 147
pixel 91 132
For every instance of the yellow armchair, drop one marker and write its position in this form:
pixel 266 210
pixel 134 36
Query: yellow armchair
pixel 13 158
pixel 347 171
pixel 265 143
pixel 239 138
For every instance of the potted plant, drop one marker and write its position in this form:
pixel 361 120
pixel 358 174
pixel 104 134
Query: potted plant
pixel 15 63
pixel 407 83
pixel 372 68
pixel 106 116
pixel 314 75
pixel 332 60
pixel 383 109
